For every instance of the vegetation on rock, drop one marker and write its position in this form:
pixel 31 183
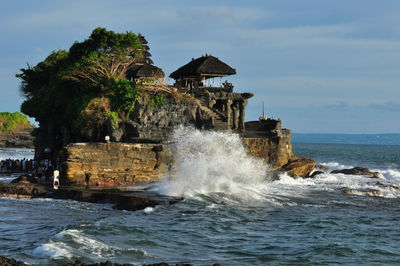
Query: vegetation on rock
pixel 83 86
pixel 12 121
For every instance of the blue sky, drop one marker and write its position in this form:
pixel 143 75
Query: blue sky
pixel 322 66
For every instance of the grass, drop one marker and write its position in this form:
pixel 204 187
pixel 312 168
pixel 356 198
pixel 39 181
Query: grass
pixel 12 121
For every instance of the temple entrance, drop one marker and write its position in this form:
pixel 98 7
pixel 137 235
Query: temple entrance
pixel 220 105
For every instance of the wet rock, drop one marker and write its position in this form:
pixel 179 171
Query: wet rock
pixel 24 179
pixel 358 171
pixel 387 186
pixel 299 166
pixel 10 262
pixel 363 192
pixel 314 174
pixel 22 190
pixel 122 200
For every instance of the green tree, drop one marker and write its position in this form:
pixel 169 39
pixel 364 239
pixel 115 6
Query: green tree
pixel 62 88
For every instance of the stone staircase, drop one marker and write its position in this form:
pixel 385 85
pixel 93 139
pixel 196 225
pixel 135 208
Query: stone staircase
pixel 219 120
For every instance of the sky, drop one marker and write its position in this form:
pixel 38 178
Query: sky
pixel 321 66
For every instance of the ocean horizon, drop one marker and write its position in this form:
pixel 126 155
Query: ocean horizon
pixel 342 138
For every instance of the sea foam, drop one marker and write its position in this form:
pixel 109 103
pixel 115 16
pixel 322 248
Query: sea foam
pixel 213 162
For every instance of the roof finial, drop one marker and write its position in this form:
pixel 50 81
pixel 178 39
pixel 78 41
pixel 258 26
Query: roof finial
pixel 263 117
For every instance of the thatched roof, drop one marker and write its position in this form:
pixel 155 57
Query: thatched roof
pixel 205 66
pixel 142 39
pixel 146 53
pixel 145 60
pixel 144 71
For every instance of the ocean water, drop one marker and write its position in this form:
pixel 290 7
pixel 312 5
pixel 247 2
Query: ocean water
pixel 234 213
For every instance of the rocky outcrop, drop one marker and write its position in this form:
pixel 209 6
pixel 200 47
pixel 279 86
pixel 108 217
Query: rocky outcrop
pixel 358 171
pixel 275 150
pixel 24 179
pixel 23 189
pixel 157 121
pixel 122 200
pixel 10 262
pixel 20 138
pixel 299 166
pixel 363 192
pixel 113 164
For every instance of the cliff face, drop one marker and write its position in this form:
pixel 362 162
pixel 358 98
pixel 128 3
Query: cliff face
pixel 276 150
pixel 20 138
pixel 154 121
pixel 113 164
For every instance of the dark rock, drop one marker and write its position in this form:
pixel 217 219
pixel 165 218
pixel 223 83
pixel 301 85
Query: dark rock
pixel 358 171
pixel 363 192
pixel 123 200
pixel 10 262
pixel 314 174
pixel 27 179
pixel 22 190
pixel 387 186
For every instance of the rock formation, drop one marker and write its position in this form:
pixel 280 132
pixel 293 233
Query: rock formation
pixel 358 171
pixel 139 151
pixel 21 138
pixel 10 262
pixel 113 164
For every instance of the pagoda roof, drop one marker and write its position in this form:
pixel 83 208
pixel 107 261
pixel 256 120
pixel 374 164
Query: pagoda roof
pixel 142 39
pixel 205 66
pixel 144 71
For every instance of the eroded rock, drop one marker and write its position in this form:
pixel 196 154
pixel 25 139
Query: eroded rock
pixel 314 174
pixel 363 192
pixel 299 166
pixel 22 190
pixel 10 262
pixel 362 171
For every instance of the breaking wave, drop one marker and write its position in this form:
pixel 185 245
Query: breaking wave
pixel 209 162
pixel 73 243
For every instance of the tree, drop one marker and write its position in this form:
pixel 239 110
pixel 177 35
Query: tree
pixel 62 88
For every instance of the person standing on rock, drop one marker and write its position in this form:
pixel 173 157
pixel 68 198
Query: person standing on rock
pixel 56 181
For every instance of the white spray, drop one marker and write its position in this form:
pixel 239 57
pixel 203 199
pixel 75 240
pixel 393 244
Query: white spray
pixel 209 162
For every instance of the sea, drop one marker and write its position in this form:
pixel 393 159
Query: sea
pixel 235 212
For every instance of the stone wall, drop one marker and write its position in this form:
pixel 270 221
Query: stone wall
pixel 113 164
pixel 275 149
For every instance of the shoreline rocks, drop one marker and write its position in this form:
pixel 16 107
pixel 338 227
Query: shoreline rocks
pixel 299 166
pixel 21 187
pixel 362 171
pixel 21 138
pixel 363 192
pixel 4 261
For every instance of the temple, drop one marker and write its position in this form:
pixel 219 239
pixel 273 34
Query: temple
pixel 225 107
pixel 144 69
